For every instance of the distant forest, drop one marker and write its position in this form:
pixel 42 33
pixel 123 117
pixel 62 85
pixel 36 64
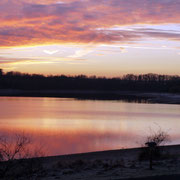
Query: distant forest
pixel 130 82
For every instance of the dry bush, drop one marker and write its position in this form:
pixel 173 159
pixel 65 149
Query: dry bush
pixel 160 138
pixel 13 148
pixel 17 156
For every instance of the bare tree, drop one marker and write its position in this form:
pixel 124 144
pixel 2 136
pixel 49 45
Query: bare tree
pixel 153 146
pixel 159 137
pixel 13 150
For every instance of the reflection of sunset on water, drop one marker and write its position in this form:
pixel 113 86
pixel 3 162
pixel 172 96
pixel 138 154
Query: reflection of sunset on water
pixel 72 126
pixel 65 141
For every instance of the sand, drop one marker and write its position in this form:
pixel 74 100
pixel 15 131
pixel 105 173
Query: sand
pixel 106 165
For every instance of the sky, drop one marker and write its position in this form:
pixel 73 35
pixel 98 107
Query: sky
pixel 92 37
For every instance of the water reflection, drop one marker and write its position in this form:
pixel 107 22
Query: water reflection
pixel 66 126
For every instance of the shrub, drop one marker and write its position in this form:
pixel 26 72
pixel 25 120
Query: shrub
pixel 17 156
pixel 159 137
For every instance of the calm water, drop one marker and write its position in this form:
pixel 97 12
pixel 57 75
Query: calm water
pixel 65 126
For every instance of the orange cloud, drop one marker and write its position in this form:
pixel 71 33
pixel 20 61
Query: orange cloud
pixel 28 23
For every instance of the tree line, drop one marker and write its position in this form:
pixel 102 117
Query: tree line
pixel 130 82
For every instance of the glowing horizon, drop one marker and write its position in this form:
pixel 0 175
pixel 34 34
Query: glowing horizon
pixel 103 38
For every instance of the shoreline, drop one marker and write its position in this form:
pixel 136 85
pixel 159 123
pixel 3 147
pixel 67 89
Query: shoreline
pixel 112 164
pixel 117 164
pixel 129 96
pixel 109 154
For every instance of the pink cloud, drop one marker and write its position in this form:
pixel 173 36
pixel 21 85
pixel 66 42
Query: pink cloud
pixel 48 22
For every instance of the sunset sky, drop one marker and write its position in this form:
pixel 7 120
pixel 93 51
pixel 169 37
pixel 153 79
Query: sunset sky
pixel 92 37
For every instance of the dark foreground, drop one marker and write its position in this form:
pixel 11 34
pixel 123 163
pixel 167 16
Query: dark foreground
pixel 166 177
pixel 105 165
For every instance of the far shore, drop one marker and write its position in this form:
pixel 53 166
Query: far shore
pixel 105 165
pixel 129 96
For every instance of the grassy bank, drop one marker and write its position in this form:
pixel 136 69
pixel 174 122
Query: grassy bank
pixel 113 164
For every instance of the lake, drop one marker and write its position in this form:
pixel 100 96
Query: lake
pixel 64 126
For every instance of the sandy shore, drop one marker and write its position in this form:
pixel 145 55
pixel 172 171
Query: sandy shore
pixel 116 164
pixel 142 97
pixel 106 165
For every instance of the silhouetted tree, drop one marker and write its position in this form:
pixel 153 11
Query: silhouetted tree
pixel 17 155
pixel 1 72
pixel 130 82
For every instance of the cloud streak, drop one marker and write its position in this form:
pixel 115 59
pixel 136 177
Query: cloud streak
pixel 26 23
pixel 36 60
